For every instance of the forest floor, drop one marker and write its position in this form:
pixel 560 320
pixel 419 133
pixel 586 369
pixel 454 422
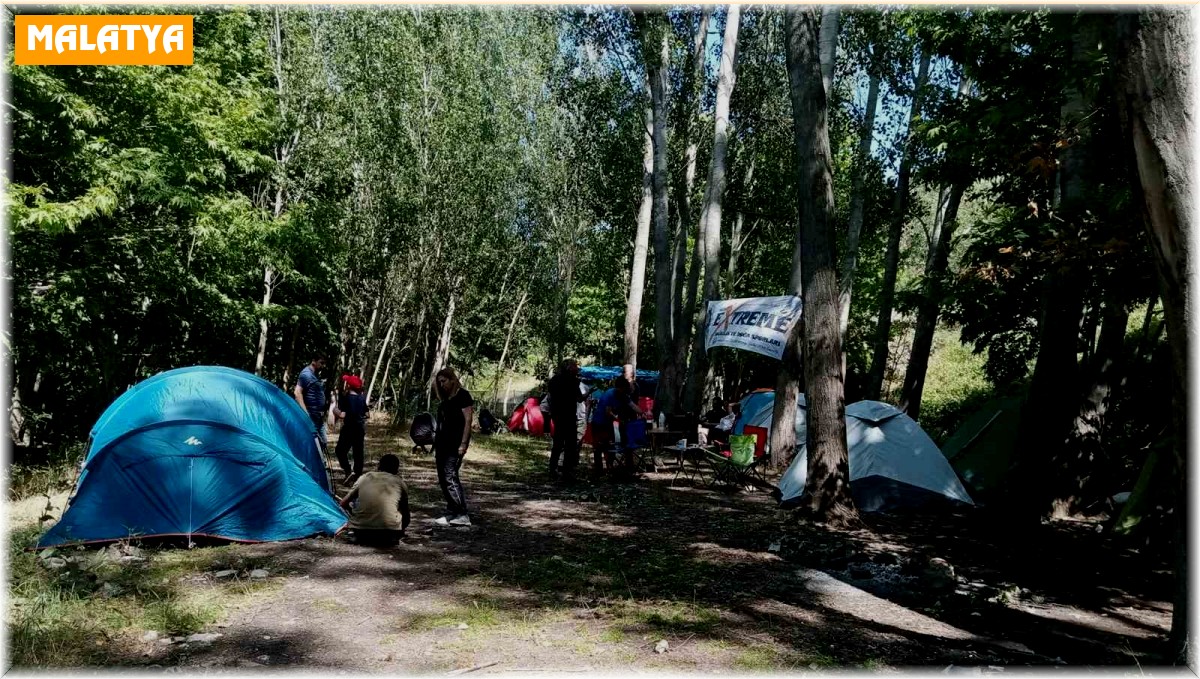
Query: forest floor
pixel 596 578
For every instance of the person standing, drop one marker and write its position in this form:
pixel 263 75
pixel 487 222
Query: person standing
pixel 354 428
pixel 614 405
pixel 625 409
pixel 310 394
pixel 456 410
pixel 565 396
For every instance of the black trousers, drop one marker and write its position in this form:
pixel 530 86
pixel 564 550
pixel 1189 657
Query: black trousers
pixel 352 437
pixel 566 444
pixel 377 537
pixel 448 463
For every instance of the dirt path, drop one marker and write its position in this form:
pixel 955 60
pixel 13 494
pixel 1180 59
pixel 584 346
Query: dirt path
pixel 586 579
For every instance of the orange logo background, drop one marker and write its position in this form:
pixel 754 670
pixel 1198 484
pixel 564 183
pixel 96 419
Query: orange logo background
pixel 103 39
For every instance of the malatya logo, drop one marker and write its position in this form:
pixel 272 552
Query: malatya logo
pixel 103 40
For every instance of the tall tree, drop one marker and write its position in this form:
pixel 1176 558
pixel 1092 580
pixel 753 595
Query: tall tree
pixel 828 45
pixel 828 485
pixel 691 109
pixel 945 220
pixel 887 294
pixel 641 241
pixel 710 220
pixel 655 47
pixel 858 200
pixel 1154 98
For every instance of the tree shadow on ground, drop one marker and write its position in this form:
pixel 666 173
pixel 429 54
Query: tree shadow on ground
pixel 652 559
pixel 664 557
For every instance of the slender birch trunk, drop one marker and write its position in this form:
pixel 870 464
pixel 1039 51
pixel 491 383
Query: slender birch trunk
pixel 698 368
pixel 887 295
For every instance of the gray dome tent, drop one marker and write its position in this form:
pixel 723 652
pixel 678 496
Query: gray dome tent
pixel 893 463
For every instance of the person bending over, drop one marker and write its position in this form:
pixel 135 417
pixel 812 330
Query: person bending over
pixel 378 505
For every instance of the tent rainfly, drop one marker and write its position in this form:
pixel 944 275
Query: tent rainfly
pixel 201 452
pixel 893 463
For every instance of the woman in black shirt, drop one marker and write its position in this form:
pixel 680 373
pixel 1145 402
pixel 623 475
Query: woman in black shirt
pixel 455 413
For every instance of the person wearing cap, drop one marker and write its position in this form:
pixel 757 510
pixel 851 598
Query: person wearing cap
pixel 354 428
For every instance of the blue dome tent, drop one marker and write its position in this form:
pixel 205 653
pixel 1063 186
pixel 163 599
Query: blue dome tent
pixel 203 451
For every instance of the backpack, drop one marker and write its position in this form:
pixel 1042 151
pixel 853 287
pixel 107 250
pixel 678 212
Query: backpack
pixel 488 424
pixel 422 431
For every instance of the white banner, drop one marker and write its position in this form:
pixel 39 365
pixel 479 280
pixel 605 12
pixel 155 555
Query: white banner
pixel 758 324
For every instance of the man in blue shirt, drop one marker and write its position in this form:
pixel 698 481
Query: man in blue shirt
pixel 310 394
pixel 613 404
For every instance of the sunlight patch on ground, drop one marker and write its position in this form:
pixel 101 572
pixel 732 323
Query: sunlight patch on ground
pixel 30 510
pixel 796 614
pixel 554 516
pixel 716 554
pixel 1106 623
pixel 844 598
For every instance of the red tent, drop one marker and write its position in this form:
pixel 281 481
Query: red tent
pixel 527 418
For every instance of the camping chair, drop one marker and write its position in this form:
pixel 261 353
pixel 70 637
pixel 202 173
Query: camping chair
pixel 693 462
pixel 636 444
pixel 743 466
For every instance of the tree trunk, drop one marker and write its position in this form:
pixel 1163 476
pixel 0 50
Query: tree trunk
pixel 366 356
pixel 685 301
pixel 944 222
pixel 738 237
pixel 1144 343
pixel 387 368
pixel 260 357
pixel 931 299
pixel 1155 101
pixel 828 46
pixel 828 486
pixel 657 67
pixel 1048 408
pixel 291 359
pixel 1080 461
pixel 698 368
pixel 1053 400
pixel 487 323
pixel 382 352
pixel 887 294
pixel 512 324
pixel 442 353
pixel 858 200
pixel 637 277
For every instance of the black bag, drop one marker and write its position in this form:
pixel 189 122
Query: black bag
pixel 422 430
pixel 488 424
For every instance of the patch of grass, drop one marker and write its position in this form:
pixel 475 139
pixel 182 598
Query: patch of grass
pixel 523 456
pixel 667 617
pixel 43 473
pixel 331 605
pixel 820 659
pixel 874 664
pixel 613 635
pixel 758 659
pixel 92 609
pixel 478 614
pixel 955 385
pixel 714 645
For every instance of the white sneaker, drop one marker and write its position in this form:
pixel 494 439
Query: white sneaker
pixel 463 520
pixel 441 521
